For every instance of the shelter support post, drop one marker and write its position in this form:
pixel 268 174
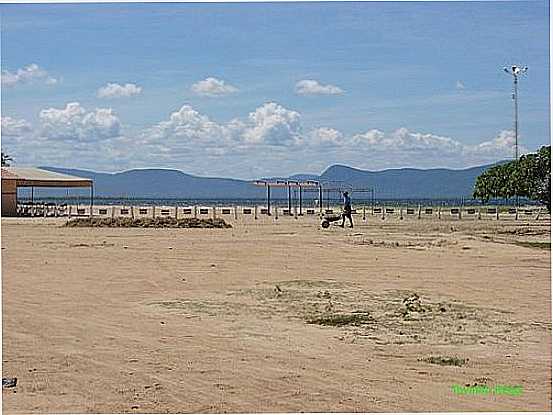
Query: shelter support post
pixel 268 200
pixel 289 200
pixel 91 199
pixel 321 199
pixel 301 212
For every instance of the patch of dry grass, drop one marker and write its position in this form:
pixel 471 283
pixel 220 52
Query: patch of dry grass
pixel 538 245
pixel 147 223
pixel 339 320
pixel 445 360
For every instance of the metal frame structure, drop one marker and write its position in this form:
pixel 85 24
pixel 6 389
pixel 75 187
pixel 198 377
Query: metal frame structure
pixel 289 185
pixel 321 187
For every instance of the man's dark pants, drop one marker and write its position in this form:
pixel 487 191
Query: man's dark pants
pixel 347 214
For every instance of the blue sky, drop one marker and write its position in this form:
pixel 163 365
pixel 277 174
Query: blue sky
pixel 247 90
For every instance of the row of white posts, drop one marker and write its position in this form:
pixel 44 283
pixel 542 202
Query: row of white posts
pixel 457 212
pixel 257 211
pixel 180 212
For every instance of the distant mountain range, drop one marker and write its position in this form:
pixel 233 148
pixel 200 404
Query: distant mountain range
pixel 405 183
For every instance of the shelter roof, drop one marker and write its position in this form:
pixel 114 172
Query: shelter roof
pixel 30 176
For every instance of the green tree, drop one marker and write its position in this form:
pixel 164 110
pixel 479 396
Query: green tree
pixel 6 159
pixel 533 176
pixel 529 177
pixel 496 182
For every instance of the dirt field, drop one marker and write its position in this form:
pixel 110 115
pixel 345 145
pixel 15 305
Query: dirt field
pixel 276 317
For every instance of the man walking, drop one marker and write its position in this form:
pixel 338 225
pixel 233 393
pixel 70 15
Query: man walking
pixel 347 210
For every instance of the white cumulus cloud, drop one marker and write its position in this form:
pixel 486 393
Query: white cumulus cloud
pixel 213 87
pixel 326 137
pixel 407 141
pixel 27 74
pixel 312 87
pixel 113 90
pixel 372 137
pixel 501 146
pixel 74 123
pixel 12 127
pixel 273 124
pixel 270 124
pixel 188 126
pixel 270 140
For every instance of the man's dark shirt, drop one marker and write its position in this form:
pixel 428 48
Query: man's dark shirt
pixel 347 203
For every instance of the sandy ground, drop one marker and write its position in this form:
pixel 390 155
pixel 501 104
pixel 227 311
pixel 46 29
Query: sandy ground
pixel 228 320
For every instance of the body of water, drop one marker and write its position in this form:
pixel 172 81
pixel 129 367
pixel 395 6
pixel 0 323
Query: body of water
pixel 306 202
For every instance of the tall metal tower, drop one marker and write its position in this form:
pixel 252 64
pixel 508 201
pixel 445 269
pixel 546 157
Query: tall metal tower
pixel 516 71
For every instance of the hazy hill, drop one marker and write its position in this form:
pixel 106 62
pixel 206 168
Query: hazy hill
pixel 409 183
pixel 164 183
pixel 391 183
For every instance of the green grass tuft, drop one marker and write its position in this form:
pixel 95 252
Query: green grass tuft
pixel 445 360
pixel 538 245
pixel 339 320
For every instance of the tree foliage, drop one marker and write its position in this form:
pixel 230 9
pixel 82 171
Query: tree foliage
pixel 529 177
pixel 6 159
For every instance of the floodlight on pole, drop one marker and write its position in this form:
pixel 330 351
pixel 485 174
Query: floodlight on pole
pixel 516 71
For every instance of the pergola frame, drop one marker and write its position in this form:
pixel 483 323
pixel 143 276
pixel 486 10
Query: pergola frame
pixel 309 186
pixel 289 185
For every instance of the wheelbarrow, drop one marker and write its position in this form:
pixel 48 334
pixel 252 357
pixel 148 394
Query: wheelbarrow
pixel 328 219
